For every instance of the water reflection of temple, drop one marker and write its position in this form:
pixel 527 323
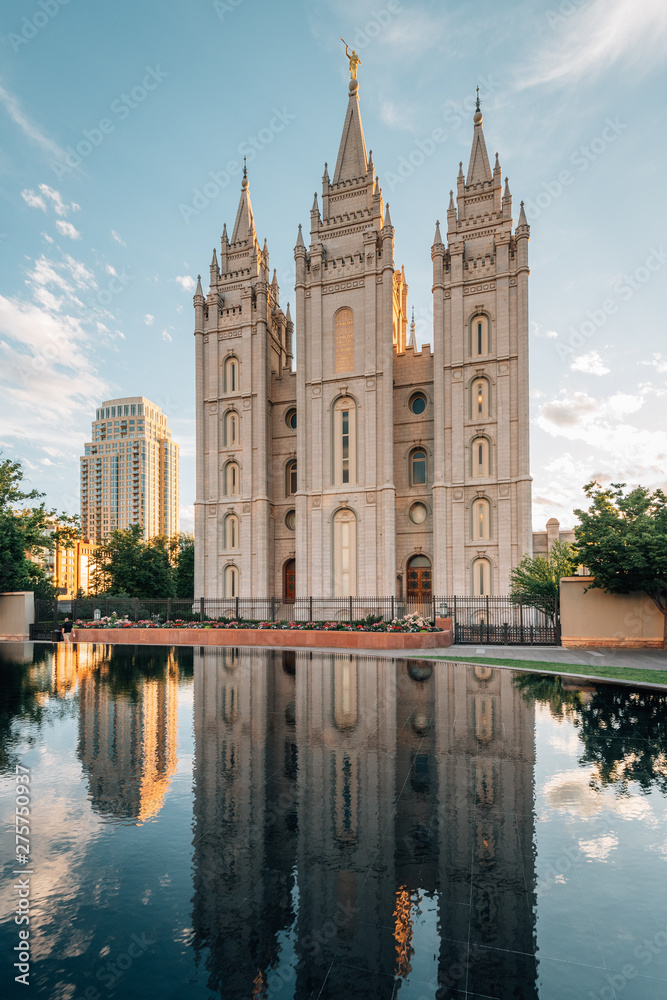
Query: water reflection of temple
pixel 127 732
pixel 331 791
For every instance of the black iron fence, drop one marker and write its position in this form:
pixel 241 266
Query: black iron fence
pixel 482 620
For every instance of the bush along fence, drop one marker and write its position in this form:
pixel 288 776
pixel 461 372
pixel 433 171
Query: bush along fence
pixel 486 620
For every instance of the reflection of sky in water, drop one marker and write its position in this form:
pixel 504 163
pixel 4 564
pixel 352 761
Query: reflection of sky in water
pixel 286 827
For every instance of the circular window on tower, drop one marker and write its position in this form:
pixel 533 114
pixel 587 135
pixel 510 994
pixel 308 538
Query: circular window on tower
pixel 290 418
pixel 418 513
pixel 290 519
pixel 418 403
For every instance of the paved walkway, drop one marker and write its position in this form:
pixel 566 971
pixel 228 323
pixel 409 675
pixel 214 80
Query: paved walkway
pixel 648 659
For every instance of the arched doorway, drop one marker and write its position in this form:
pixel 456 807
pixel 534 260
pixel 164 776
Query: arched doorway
pixel 289 581
pixel 419 579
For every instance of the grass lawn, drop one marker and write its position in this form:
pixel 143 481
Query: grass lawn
pixel 563 669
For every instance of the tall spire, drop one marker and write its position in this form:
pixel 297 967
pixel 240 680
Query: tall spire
pixel 352 160
pixel 244 226
pixel 412 339
pixel 479 168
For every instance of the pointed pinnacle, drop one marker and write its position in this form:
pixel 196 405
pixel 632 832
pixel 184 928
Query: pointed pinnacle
pixel 460 168
pixel 288 314
pixel 438 237
pixel 523 221
pixel 198 289
pixel 387 217
pixel 299 239
pixel 452 207
pixel 315 207
pixel 506 193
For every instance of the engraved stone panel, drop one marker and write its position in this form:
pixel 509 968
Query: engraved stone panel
pixel 344 340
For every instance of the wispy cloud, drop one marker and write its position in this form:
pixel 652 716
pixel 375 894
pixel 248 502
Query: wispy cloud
pixel 29 129
pixel 33 200
pixel 167 336
pixel 67 229
pixel 117 238
pixel 148 319
pixel 590 364
pixel 597 37
pixel 186 282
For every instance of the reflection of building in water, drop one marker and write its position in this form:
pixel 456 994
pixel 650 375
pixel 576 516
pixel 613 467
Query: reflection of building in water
pixel 72 662
pixel 245 813
pixel 331 792
pixel 127 738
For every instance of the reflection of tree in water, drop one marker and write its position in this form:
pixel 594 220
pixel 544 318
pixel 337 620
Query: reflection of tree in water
pixel 125 668
pixel 27 697
pixel 623 732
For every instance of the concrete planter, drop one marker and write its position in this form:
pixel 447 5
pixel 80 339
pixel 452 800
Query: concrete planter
pixel 268 637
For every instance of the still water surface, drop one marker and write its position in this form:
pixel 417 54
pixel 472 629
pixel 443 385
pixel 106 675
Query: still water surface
pixel 239 824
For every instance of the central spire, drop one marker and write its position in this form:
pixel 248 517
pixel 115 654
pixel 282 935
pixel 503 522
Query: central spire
pixel 352 160
pixel 479 168
pixel 244 226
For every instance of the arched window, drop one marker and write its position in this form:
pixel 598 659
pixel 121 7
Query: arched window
pixel 231 375
pixel 344 441
pixel 479 399
pixel 231 581
pixel 345 693
pixel 418 467
pixel 344 340
pixel 231 428
pixel 480 520
pixel 231 531
pixel 419 578
pixel 481 577
pixel 480 457
pixel 345 553
pixel 232 479
pixel 290 478
pixel 479 336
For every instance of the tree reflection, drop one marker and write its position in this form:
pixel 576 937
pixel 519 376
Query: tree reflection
pixel 623 732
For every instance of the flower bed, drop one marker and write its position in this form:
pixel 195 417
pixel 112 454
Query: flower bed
pixel 338 635
pixel 411 623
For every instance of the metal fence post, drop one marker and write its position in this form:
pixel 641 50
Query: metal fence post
pixel 393 612
pixel 236 611
pixel 107 606
pixel 169 609
pixel 350 610
pixel 310 608
pixel 273 609
pixel 202 613
pixel 136 609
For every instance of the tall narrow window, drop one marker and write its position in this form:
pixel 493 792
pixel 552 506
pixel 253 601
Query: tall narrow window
pixel 345 553
pixel 481 577
pixel 290 478
pixel 479 401
pixel 479 336
pixel 418 467
pixel 231 581
pixel 232 480
pixel 231 428
pixel 231 382
pixel 480 457
pixel 344 441
pixel 231 531
pixel 480 520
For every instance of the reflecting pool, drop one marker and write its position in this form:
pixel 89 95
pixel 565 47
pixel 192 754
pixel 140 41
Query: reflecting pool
pixel 245 824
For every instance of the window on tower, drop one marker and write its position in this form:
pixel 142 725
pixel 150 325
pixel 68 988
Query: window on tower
pixel 479 336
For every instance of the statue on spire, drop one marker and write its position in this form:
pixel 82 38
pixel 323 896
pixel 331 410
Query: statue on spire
pixel 354 60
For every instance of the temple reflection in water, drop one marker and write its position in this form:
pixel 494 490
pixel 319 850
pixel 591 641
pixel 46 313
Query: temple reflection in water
pixel 336 796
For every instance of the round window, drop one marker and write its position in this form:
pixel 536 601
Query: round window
pixel 290 519
pixel 418 513
pixel 290 419
pixel 418 403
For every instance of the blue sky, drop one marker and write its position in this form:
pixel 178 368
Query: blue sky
pixel 99 257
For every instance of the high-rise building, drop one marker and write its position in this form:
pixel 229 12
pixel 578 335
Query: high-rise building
pixel 129 471
pixel 374 467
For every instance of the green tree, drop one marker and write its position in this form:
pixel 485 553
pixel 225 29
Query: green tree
pixel 183 553
pixel 536 580
pixel 622 539
pixel 26 529
pixel 127 565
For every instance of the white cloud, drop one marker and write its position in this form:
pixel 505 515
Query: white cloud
pixel 590 364
pixel 11 106
pixel 539 331
pixel 597 37
pixel 49 239
pixel 658 361
pixel 167 336
pixel 118 238
pixel 33 200
pixel 67 229
pixel 186 282
pixel 61 207
pixel 148 319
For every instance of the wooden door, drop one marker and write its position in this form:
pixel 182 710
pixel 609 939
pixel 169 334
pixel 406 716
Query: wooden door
pixel 289 581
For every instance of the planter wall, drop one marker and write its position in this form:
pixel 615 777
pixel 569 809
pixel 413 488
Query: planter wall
pixel 269 637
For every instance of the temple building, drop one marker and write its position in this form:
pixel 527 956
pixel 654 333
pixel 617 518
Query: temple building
pixel 370 467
